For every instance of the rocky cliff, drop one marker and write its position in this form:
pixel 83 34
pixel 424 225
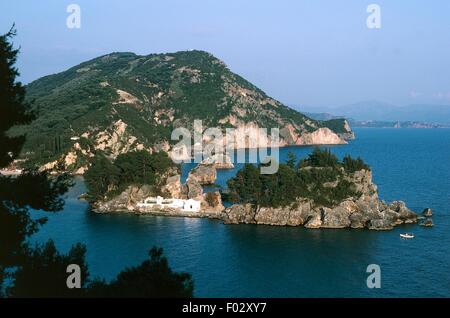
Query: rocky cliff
pixel 363 211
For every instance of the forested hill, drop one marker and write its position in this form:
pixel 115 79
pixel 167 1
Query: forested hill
pixel 122 101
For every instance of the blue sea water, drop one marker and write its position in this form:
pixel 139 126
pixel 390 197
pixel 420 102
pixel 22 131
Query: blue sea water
pixel 268 261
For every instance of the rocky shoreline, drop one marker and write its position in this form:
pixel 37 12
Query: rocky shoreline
pixel 366 211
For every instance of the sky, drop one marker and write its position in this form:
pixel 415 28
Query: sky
pixel 316 53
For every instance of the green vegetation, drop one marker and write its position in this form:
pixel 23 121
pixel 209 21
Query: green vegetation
pixel 320 158
pixel 320 177
pixel 169 90
pixel 351 165
pixel 43 274
pixel 337 125
pixel 106 178
pixel 41 271
pixel 153 278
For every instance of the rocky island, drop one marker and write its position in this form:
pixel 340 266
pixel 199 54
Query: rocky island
pixel 317 192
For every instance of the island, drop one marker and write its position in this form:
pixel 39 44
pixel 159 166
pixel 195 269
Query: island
pixel 319 191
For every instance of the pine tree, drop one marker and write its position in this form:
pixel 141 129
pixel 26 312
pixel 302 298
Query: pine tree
pixel 31 189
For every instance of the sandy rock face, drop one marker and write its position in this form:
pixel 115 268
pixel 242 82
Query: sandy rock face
pixel 315 221
pixel 193 189
pixel 173 187
pixel 203 174
pixel 218 161
pixel 321 136
pixel 212 203
pixel 241 213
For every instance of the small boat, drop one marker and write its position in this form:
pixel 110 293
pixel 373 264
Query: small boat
pixel 407 235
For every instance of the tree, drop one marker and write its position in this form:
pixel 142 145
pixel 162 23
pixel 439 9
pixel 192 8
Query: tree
pixel 153 278
pixel 291 159
pixel 101 177
pixel 352 165
pixel 40 271
pixel 320 158
pixel 13 110
pixel 313 179
pixel 246 186
pixel 106 178
pixel 43 272
pixel 32 188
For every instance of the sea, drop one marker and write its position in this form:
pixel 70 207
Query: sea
pixel 412 165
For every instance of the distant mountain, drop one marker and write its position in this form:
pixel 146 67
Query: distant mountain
pixel 395 124
pixel 122 101
pixel 380 111
pixel 376 123
pixel 322 116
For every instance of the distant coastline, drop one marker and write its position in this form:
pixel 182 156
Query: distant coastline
pixel 396 125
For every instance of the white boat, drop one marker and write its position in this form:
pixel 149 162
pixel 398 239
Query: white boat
pixel 406 235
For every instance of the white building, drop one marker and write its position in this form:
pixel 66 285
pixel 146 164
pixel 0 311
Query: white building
pixel 190 205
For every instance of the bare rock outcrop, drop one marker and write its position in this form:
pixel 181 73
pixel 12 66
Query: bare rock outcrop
pixel 212 203
pixel 427 223
pixel 427 212
pixel 173 187
pixel 203 174
pixel 193 189
pixel 125 201
pixel 218 161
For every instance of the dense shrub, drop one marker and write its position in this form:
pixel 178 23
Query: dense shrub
pixel 352 165
pixel 140 167
pixel 318 177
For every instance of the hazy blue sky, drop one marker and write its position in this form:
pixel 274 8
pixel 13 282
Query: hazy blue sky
pixel 300 52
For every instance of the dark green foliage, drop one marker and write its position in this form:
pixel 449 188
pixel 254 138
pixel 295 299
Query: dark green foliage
pixel 337 125
pixel 43 272
pixel 13 109
pixel 291 160
pixel 153 278
pixel 320 177
pixel 352 165
pixel 320 158
pixel 101 177
pixel 188 84
pixel 246 185
pixel 31 189
pixel 138 167
pixel 35 189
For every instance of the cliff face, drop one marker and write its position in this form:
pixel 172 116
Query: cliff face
pixel 365 211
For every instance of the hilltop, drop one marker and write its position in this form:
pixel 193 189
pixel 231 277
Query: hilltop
pixel 123 102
